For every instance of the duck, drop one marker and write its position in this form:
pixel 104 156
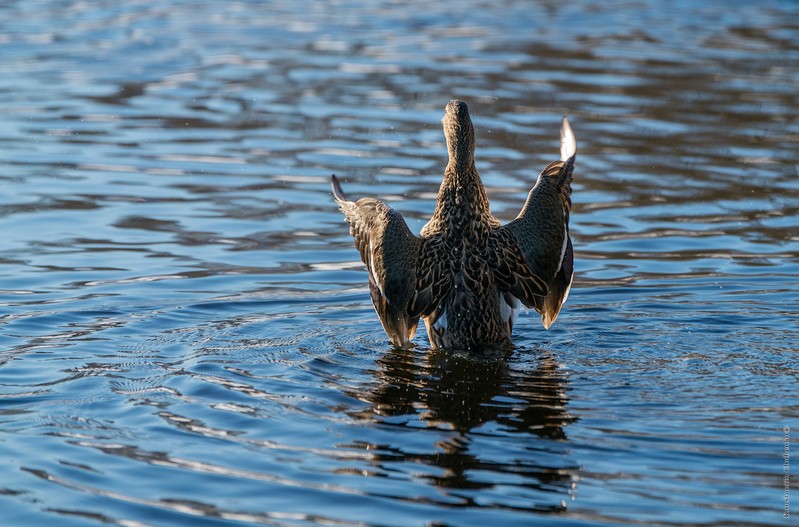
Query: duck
pixel 466 275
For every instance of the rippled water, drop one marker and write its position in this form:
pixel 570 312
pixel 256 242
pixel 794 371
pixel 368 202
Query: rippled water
pixel 186 330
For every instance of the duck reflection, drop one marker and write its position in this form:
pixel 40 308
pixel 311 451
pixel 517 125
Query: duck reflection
pixel 498 423
pixel 463 391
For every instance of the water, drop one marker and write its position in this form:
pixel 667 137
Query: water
pixel 186 331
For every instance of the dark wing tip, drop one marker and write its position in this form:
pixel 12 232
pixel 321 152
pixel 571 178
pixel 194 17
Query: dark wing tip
pixel 338 193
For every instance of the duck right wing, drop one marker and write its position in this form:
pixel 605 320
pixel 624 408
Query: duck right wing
pixel 537 243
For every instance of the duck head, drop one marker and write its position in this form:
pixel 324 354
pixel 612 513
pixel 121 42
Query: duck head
pixel 459 133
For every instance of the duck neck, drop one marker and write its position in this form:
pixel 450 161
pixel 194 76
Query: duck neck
pixel 460 147
pixel 462 200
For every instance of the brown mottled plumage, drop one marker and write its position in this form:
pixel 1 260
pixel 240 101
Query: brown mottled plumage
pixel 466 275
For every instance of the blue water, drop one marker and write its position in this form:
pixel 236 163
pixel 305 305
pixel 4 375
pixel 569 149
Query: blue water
pixel 186 335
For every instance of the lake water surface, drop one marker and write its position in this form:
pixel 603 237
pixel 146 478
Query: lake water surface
pixel 186 335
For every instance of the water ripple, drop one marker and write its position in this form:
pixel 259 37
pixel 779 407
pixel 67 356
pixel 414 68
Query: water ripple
pixel 186 328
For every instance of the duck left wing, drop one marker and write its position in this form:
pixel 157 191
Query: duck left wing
pixel 391 254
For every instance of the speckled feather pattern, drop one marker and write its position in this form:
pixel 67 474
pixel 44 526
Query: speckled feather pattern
pixel 466 274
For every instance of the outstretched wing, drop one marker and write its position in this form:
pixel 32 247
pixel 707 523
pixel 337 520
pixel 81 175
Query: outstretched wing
pixel 392 255
pixel 537 242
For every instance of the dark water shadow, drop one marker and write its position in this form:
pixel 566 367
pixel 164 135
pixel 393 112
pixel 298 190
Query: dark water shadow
pixel 500 420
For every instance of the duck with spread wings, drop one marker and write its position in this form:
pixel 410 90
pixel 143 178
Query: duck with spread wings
pixel 466 275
